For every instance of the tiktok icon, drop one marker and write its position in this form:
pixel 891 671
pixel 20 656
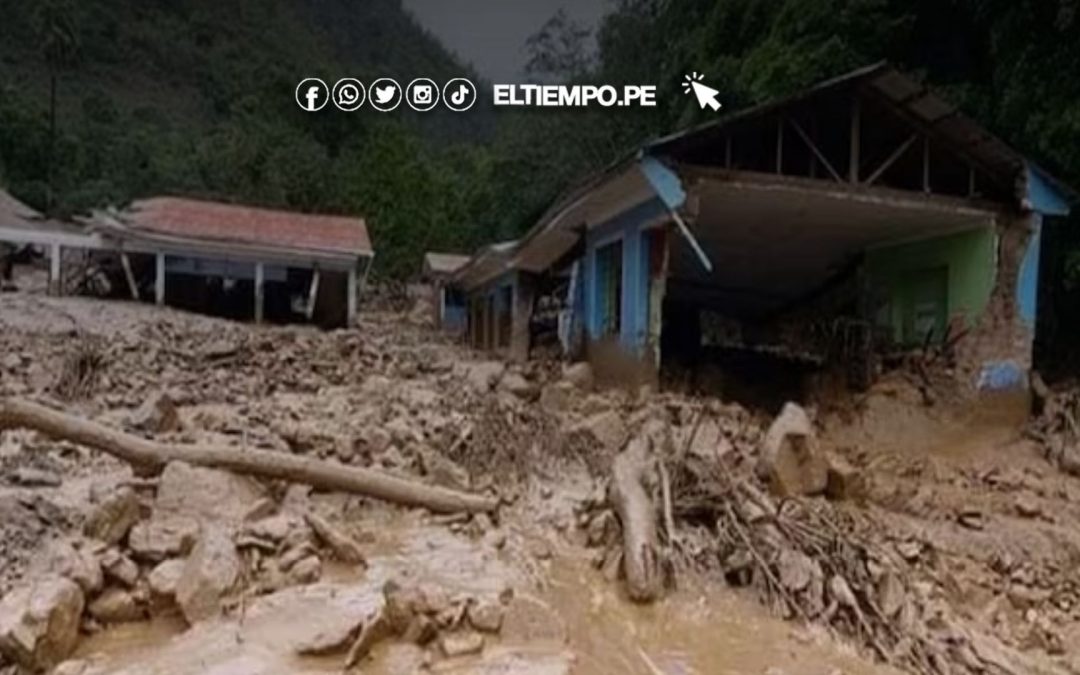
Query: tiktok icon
pixel 459 94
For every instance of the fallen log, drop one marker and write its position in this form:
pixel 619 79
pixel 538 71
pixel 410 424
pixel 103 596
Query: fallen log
pixel 151 456
pixel 637 514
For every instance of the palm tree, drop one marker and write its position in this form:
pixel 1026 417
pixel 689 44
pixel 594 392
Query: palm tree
pixel 59 45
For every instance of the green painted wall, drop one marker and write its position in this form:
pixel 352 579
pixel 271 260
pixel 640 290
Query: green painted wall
pixel 932 281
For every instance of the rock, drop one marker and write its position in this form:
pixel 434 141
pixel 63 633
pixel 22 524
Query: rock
pixel 557 398
pixel 206 494
pixel 333 636
pixel 157 415
pixel 486 615
pixel 39 622
pixel 119 567
pixel 461 644
pixel 971 519
pixel 1027 507
pixel 306 570
pixel 442 470
pixel 34 478
pixel 116 605
pixel 111 518
pixel 606 428
pixel 77 563
pixel 790 460
pixel 163 537
pixel 164 578
pixel 274 529
pixel 517 385
pixel 482 376
pixel 345 548
pixel 843 481
pixel 890 595
pixel 209 573
pixel 796 569
pixel 709 442
pixel 579 375
pixel 72 667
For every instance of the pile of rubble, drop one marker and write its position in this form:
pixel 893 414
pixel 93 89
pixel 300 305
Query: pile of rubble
pixel 190 544
pixel 1057 427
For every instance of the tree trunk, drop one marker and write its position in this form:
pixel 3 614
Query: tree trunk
pixel 153 456
pixel 641 561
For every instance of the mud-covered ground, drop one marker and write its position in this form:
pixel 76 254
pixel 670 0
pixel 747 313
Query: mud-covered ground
pixel 957 533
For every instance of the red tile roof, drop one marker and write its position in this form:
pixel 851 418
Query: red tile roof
pixel 249 225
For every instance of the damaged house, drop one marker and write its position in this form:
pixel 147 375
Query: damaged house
pixel 224 259
pixel 853 222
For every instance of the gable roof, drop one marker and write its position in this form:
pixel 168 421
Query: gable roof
pixel 909 99
pixel 229 223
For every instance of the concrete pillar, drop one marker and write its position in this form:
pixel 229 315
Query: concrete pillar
pixel 259 276
pixel 350 315
pixel 159 279
pixel 524 290
pixel 56 282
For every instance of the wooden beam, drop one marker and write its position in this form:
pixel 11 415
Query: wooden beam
pixel 350 314
pixel 817 152
pixel 260 274
pixel 130 276
pixel 159 279
pixel 856 136
pixel 56 282
pixel 891 159
pixel 313 295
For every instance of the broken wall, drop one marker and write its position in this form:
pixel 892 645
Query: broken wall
pixel 931 284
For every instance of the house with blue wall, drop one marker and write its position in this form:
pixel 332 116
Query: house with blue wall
pixel 859 218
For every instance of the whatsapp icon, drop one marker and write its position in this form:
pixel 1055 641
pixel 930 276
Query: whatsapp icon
pixel 348 94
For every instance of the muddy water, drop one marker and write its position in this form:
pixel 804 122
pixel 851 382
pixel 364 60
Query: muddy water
pixel 575 623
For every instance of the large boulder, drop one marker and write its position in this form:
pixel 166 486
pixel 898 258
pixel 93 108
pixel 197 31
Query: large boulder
pixel 790 460
pixel 39 622
pixel 206 494
pixel 211 571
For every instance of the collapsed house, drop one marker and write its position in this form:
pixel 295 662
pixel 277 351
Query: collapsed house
pixel 448 302
pixel 236 261
pixel 853 221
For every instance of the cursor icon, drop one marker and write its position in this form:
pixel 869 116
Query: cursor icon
pixel 706 95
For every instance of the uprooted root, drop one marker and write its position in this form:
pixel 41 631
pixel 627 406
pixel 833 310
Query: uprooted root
pixel 513 442
pixel 80 371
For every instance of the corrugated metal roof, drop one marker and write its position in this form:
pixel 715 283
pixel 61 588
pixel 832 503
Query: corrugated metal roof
pixel 220 222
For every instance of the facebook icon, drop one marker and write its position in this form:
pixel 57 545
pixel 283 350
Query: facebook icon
pixel 312 94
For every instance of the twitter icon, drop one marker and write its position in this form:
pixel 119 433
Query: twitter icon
pixel 385 94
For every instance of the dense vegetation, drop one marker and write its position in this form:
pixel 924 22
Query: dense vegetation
pixel 195 97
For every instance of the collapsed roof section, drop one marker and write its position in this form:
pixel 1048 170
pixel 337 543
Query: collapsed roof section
pixel 835 148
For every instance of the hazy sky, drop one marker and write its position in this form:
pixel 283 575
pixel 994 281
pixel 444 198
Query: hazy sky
pixel 491 34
